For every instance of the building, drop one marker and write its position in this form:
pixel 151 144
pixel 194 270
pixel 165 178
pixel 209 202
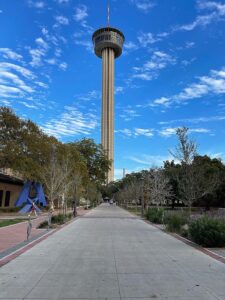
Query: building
pixel 108 45
pixel 10 188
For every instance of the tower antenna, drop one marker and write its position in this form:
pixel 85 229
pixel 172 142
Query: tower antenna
pixel 108 13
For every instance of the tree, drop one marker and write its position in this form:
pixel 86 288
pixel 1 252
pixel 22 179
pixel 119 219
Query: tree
pixel 55 177
pixel 186 149
pixel 193 182
pixel 94 157
pixel 23 146
pixel 160 188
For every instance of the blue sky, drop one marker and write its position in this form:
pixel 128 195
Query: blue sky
pixel 171 73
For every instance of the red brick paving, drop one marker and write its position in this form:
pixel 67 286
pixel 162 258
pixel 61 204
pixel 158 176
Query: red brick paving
pixel 13 235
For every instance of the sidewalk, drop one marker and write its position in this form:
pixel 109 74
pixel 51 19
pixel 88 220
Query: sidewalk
pixel 13 235
pixel 110 254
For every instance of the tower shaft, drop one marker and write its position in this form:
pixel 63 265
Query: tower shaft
pixel 108 45
pixel 107 137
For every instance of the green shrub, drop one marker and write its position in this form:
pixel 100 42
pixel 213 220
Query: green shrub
pixel 59 219
pixel 184 232
pixel 69 216
pixel 175 222
pixel 43 224
pixel 208 232
pixel 155 215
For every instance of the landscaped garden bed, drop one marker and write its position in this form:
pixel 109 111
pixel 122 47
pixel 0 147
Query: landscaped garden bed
pixel 56 220
pixel 201 229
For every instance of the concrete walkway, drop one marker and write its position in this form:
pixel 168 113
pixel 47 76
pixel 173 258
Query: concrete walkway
pixel 110 254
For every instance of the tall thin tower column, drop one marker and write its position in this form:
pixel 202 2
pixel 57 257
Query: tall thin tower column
pixel 108 44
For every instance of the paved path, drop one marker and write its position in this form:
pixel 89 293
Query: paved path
pixel 12 235
pixel 109 254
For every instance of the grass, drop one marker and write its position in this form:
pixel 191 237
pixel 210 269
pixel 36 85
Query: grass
pixel 4 223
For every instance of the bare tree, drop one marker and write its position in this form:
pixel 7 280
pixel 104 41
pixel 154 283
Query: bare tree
pixel 160 188
pixel 186 149
pixel 54 176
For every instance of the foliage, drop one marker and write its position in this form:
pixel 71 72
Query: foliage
pixel 24 147
pixel 155 215
pixel 174 222
pixel 43 224
pixel 193 179
pixel 61 218
pixel 94 157
pixel 208 232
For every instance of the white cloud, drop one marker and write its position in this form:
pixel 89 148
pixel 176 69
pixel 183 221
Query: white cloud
pixel 37 54
pixel 36 4
pixel 195 120
pixel 11 79
pixel 85 43
pixel 214 84
pixel 51 61
pixel 212 5
pixel 162 100
pixel 129 47
pixel 62 20
pixel 80 13
pixel 125 132
pixel 143 131
pixel 63 1
pixel 217 12
pixel 150 70
pixel 146 39
pixel 63 66
pixel 189 45
pixel 23 71
pixel 129 114
pixel 143 5
pixel 92 95
pixel 10 54
pixel 71 123
pixel 118 89
pixel 10 92
pixel 167 132
pixel 19 83
pixel 28 105
pixel 150 160
pixel 40 42
pixel 147 132
pixel 143 76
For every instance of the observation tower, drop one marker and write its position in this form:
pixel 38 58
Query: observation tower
pixel 108 45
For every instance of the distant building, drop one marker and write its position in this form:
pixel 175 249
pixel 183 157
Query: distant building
pixel 10 188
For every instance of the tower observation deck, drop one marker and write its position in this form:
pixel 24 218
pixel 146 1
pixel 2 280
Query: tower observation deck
pixel 108 45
